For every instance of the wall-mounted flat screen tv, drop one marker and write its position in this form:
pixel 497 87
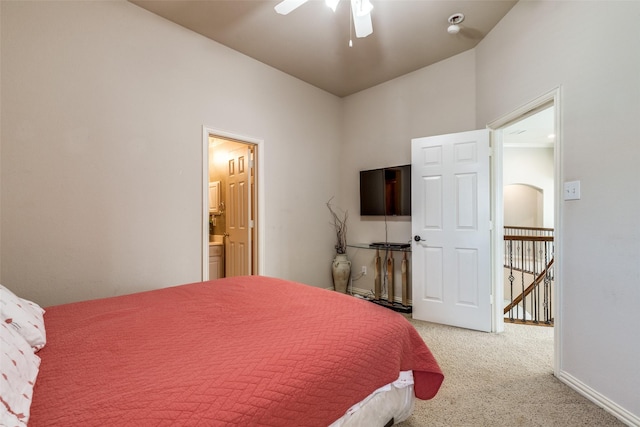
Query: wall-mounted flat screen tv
pixel 386 191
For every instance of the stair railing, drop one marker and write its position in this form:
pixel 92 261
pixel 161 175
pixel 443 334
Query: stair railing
pixel 528 268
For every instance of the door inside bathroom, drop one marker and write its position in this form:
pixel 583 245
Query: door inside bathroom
pixel 232 209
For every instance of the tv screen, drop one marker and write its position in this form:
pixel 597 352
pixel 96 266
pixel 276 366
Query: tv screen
pixel 386 191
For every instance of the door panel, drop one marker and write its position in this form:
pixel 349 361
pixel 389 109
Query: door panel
pixel 433 199
pixel 467 279
pixel 433 284
pixel 451 274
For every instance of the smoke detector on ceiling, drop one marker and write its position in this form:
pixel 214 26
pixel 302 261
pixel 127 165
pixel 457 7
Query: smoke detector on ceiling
pixel 454 20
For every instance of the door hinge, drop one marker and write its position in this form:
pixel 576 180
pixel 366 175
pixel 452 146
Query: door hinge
pixel 251 163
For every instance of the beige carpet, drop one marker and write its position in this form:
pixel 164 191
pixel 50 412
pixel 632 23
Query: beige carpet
pixel 500 380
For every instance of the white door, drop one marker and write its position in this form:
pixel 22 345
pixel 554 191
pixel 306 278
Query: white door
pixel 451 252
pixel 238 245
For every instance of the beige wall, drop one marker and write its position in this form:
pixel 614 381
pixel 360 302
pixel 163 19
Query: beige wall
pixel 103 105
pixel 102 108
pixel 531 166
pixel 522 206
pixel 590 51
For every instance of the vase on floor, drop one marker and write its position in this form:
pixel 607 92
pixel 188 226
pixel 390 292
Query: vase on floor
pixel 341 270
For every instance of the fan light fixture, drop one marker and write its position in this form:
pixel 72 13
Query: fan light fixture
pixel 363 7
pixel 333 4
pixel 360 12
pixel 454 20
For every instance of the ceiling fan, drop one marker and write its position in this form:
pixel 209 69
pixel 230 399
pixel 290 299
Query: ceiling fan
pixel 360 10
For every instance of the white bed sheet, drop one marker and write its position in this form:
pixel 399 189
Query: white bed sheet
pixel 393 401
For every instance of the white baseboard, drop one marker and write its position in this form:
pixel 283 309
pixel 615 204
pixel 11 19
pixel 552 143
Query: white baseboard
pixel 600 400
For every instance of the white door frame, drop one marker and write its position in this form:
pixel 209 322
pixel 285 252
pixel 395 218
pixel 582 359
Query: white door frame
pixel 497 214
pixel 259 188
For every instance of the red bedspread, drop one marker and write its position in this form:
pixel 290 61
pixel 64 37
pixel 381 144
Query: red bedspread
pixel 237 351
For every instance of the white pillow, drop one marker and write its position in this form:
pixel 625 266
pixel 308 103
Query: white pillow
pixel 24 316
pixel 18 371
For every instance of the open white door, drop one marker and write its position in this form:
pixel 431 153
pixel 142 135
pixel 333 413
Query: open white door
pixel 451 253
pixel 238 245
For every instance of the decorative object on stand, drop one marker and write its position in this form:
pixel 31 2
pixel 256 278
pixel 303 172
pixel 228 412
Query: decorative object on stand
pixel 384 274
pixel 341 266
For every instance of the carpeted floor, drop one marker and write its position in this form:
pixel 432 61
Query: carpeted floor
pixel 500 380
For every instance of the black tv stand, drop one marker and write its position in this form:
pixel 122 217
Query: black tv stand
pixel 395 306
pixel 389 245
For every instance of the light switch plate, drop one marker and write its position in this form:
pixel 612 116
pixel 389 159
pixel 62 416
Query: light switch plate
pixel 572 190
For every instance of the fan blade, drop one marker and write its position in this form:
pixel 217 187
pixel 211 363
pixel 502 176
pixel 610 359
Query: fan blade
pixel 286 6
pixel 361 23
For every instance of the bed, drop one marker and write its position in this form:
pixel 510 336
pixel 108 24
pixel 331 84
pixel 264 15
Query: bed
pixel 235 351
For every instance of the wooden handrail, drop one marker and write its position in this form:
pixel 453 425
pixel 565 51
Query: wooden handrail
pixel 530 238
pixel 511 227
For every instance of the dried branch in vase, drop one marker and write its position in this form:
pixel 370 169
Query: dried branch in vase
pixel 340 226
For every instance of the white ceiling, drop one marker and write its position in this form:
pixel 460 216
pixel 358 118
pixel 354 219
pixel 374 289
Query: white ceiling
pixel 536 130
pixel 312 42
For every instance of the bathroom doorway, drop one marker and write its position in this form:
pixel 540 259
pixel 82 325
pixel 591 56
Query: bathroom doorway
pixel 230 237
